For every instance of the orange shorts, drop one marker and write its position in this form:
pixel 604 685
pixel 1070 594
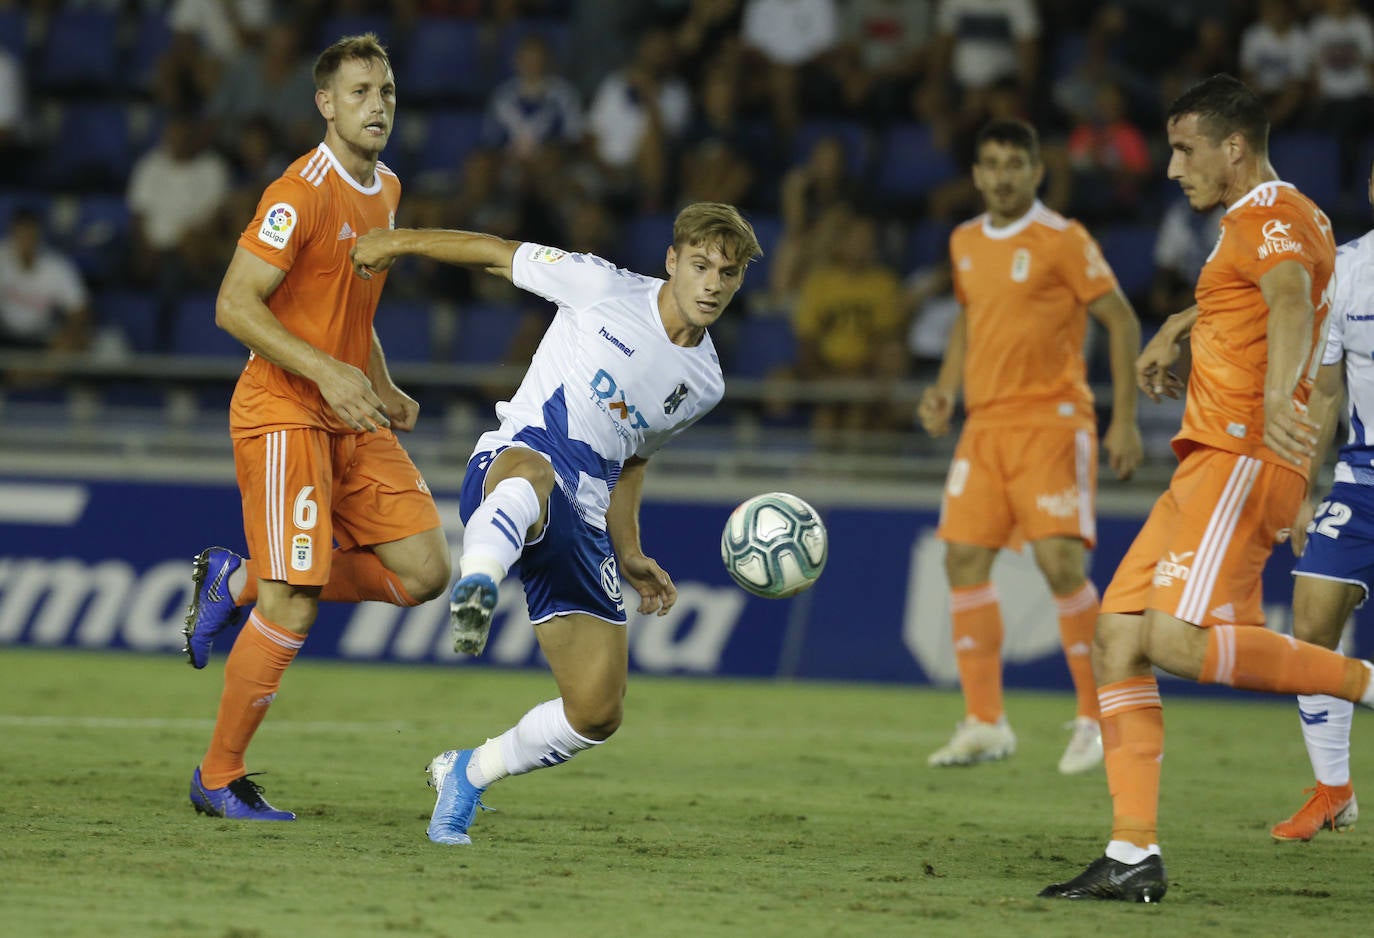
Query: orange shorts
pixel 1201 553
pixel 304 488
pixel 1031 482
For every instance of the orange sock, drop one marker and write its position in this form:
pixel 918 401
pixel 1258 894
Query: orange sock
pixel 252 675
pixel 1077 622
pixel 1253 658
pixel 977 621
pixel 354 576
pixel 1133 744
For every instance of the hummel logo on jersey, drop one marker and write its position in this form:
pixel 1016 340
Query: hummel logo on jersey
pixel 625 349
pixel 1312 719
pixel 346 232
pixel 1225 612
pixel 673 401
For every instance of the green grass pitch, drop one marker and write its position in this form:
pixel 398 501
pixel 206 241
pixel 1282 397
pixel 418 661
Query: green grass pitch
pixel 747 808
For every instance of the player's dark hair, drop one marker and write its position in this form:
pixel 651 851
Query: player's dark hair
pixel 717 225
pixel 364 47
pixel 1224 105
pixel 1012 133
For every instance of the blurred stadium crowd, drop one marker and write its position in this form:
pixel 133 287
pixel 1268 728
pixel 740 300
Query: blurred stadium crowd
pixel 138 135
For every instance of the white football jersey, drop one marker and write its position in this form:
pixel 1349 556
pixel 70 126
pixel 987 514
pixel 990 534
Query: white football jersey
pixel 606 383
pixel 1350 335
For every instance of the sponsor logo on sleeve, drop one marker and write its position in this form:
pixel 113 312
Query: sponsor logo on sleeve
pixel 1277 239
pixel 547 255
pixel 277 225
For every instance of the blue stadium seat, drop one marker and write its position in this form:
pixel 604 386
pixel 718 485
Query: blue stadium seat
pixel 133 313
pixel 11 200
pixel 14 30
pixel 762 345
pixel 406 330
pixel 927 244
pixel 485 333
pixel 91 148
pixel 80 52
pixel 150 43
pixel 451 136
pixel 94 233
pixel 853 137
pixel 338 25
pixel 768 229
pixel 194 331
pixel 1312 162
pixel 644 241
pixel 443 62
pixel 1130 250
pixel 909 163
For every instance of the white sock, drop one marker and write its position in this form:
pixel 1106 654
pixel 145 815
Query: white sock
pixel 1123 851
pixel 1326 731
pixel 237 581
pixel 495 534
pixel 1367 699
pixel 541 739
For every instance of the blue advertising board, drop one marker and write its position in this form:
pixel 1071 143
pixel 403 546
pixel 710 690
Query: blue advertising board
pixel 106 564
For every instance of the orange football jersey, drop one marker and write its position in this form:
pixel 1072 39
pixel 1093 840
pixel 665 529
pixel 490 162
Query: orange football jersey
pixel 1273 223
pixel 1025 289
pixel 306 224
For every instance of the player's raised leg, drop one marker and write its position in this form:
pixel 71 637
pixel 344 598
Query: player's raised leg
pixel 514 485
pixel 589 660
pixel 1322 603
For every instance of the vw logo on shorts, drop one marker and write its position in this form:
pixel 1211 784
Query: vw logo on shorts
pixel 610 579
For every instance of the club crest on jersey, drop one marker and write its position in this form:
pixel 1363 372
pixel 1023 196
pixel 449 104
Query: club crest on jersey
pixel 301 552
pixel 1020 265
pixel 1277 239
pixel 547 255
pixel 277 225
pixel 673 401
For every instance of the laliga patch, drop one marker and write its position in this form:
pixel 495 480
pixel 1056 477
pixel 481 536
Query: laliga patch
pixel 277 225
pixel 547 255
pixel 301 552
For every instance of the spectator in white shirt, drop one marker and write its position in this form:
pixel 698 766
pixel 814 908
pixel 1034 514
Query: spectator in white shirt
pixel 1342 43
pixel 1275 60
pixel 793 38
pixel 43 302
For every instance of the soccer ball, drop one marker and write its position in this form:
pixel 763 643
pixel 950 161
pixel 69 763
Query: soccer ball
pixel 774 545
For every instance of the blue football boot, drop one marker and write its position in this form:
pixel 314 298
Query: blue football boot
pixel 457 799
pixel 240 800
pixel 212 609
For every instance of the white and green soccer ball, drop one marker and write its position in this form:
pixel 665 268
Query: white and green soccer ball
pixel 774 545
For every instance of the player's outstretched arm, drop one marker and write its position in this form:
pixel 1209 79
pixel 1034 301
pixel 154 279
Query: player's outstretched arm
pixel 376 250
pixel 936 407
pixel 1122 441
pixel 1328 392
pixel 655 587
pixel 1287 290
pixel 1154 371
pixel 241 310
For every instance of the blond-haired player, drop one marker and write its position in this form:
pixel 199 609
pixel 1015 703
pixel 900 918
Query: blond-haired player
pixel 1026 279
pixel 1186 597
pixel 311 420
pixel 626 365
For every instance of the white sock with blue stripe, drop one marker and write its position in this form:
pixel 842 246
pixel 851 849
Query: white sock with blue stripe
pixel 1326 731
pixel 543 738
pixel 495 534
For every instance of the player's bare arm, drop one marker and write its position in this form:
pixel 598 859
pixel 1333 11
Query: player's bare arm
pixel 1154 369
pixel 1122 441
pixel 936 408
pixel 1328 393
pixel 402 409
pixel 1288 430
pixel 241 310
pixel 655 587
pixel 376 250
